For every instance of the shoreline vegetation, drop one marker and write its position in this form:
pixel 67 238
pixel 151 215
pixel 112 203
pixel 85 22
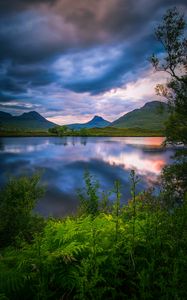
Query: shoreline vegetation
pixel 105 251
pixel 61 131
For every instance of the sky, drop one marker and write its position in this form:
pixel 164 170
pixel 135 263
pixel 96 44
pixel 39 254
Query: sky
pixel 72 59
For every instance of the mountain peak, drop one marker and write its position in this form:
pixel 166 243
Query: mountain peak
pixel 5 115
pixel 32 115
pixel 27 121
pixel 154 104
pixel 97 118
pixel 96 121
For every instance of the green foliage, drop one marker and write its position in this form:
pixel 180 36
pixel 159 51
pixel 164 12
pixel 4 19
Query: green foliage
pixel 171 35
pixel 135 251
pixel 84 132
pixel 176 126
pixel 107 131
pixel 59 130
pixel 174 179
pixel 24 133
pixel 89 198
pixel 116 207
pixel 112 131
pixel 17 201
pixel 176 130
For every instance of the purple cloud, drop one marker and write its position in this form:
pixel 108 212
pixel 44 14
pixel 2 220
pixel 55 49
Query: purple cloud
pixel 65 58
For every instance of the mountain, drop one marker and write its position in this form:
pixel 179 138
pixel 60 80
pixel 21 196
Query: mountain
pixel 96 122
pixel 27 121
pixel 4 115
pixel 151 116
pixel 32 115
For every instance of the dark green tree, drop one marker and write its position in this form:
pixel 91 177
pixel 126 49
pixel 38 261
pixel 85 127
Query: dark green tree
pixel 59 130
pixel 83 132
pixel 53 130
pixel 17 201
pixel 62 130
pixel 171 34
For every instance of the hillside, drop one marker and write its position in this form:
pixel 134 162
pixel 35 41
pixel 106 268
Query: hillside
pixel 96 122
pixel 27 121
pixel 151 116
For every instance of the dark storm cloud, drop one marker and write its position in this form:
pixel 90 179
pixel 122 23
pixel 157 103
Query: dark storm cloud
pixel 35 74
pixel 46 28
pixel 17 5
pixel 114 76
pixel 8 84
pixel 29 37
pixel 6 98
pixel 18 107
pixel 82 46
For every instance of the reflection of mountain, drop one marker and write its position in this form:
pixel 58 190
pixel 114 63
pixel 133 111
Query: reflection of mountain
pixel 27 121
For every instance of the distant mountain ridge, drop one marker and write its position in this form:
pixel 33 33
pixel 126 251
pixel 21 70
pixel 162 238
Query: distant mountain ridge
pixel 4 115
pixel 151 116
pixel 27 121
pixel 32 115
pixel 96 122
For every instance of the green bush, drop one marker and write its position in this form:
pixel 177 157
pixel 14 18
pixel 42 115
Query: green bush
pixel 17 201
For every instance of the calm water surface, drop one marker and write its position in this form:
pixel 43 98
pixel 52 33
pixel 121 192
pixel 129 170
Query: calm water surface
pixel 64 160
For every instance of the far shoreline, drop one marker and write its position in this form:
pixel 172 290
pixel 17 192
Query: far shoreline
pixel 44 134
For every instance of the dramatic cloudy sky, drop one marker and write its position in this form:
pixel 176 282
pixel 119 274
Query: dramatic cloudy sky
pixel 72 59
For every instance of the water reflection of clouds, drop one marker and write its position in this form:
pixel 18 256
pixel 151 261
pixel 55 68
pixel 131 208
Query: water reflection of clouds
pixel 123 152
pixel 20 147
pixel 64 161
pixel 130 157
pixel 135 161
pixel 146 141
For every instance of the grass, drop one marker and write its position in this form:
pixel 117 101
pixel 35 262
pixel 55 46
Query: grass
pixel 111 131
pixel 25 133
pixel 107 131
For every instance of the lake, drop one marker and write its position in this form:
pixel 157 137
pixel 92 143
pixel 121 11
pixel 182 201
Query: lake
pixel 63 162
